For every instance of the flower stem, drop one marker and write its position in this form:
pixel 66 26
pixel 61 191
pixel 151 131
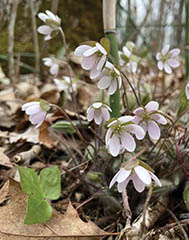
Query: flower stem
pixel 109 9
pixel 187 41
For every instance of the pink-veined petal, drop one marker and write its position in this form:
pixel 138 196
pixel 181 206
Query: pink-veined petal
pixel 153 130
pixel 125 119
pixel 37 118
pixel 94 73
pixel 98 116
pixel 81 49
pixel 90 114
pixel 167 68
pixel 173 63
pixel 137 130
pixel 143 174
pixel 29 104
pixel 101 63
pixel 114 145
pixel 113 87
pixel 33 110
pixel 128 141
pixel 139 111
pixel 138 184
pixel 123 175
pixel 105 114
pixel 108 136
pixel 88 62
pixel 152 106
pixel 104 82
pixel 159 118
pixel 121 186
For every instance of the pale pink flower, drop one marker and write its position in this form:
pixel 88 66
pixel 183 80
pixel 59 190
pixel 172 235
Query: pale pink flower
pixel 99 112
pixel 52 26
pixel 167 59
pixel 37 111
pixel 147 117
pixel 93 58
pixel 52 64
pixel 187 91
pixel 128 58
pixel 65 84
pixel 110 78
pixel 139 175
pixel 119 135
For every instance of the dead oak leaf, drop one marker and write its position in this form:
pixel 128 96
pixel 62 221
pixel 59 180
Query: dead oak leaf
pixel 60 227
pixel 45 137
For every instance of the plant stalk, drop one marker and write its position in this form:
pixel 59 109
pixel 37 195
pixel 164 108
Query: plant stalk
pixel 109 21
pixel 187 41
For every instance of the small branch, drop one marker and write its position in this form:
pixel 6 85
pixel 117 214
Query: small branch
pixel 35 37
pixel 11 39
pixel 27 156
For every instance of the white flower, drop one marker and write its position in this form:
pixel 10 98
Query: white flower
pixel 99 112
pixel 147 116
pixel 166 59
pixel 93 58
pixel 37 111
pixel 110 78
pixel 66 85
pixel 54 66
pixel 52 26
pixel 118 137
pixel 139 175
pixel 128 58
pixel 187 91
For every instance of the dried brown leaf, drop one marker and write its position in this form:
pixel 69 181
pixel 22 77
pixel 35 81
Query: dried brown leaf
pixel 4 159
pixel 68 226
pixel 44 137
pixel 30 135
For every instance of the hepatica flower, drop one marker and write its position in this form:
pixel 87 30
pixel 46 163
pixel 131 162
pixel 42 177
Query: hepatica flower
pixel 99 112
pixel 187 91
pixel 52 26
pixel 148 118
pixel 52 64
pixel 167 59
pixel 119 135
pixel 93 58
pixel 37 111
pixel 138 172
pixel 110 78
pixel 66 85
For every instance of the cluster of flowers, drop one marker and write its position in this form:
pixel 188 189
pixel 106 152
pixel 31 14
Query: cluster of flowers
pixel 120 132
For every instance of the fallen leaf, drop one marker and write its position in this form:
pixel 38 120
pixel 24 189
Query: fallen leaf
pixel 4 159
pixel 4 192
pixel 44 137
pixel 30 135
pixel 68 226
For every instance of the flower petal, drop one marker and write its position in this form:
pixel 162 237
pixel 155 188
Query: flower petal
pixel 187 90
pixel 165 50
pixel 114 179
pixel 173 63
pixel 98 116
pixel 174 52
pixel 94 73
pixel 105 114
pixel 123 175
pixel 113 87
pixel 43 16
pixel 158 56
pixel 128 141
pixel 159 118
pixel 126 52
pixel 101 49
pixel 138 184
pixel 104 82
pixel 54 69
pixel 152 106
pixel 114 145
pixel 88 62
pixel 125 119
pixel 137 130
pixel 153 130
pixel 139 111
pixel 101 63
pixel 167 68
pixel 90 51
pixel 81 49
pixel 108 136
pixel 44 29
pixel 143 174
pixel 121 186
pixel 160 65
pixel 90 114
pixel 157 181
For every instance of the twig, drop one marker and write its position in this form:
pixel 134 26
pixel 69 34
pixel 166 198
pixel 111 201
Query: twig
pixel 35 37
pixel 27 156
pixel 11 39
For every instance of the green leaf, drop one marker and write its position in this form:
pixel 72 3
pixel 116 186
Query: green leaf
pixel 183 104
pixel 105 42
pixel 186 195
pixel 38 211
pixel 51 182
pixel 30 183
pixel 64 126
